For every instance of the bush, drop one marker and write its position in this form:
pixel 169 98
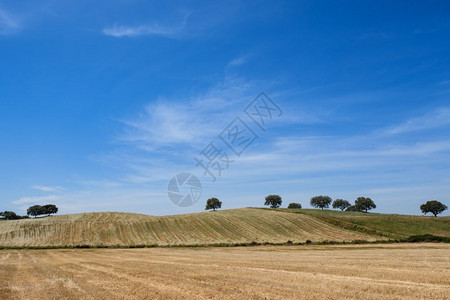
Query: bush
pixel 428 238
pixel 294 205
pixel 10 215
pixel 351 208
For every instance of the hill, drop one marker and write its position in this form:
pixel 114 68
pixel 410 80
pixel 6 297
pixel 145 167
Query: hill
pixel 125 229
pixel 388 225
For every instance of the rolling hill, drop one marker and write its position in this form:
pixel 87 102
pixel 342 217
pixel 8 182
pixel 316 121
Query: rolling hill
pixel 388 225
pixel 232 226
pixel 125 229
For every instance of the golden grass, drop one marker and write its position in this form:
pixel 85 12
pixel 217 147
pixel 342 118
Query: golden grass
pixel 394 271
pixel 125 229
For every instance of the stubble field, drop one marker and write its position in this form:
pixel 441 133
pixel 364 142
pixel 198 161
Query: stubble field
pixel 391 271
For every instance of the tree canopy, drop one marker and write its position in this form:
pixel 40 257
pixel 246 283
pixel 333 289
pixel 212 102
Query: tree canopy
pixel 341 204
pixel 435 207
pixel 37 210
pixel 9 215
pixel 364 204
pixel 273 200
pixel 351 208
pixel 294 205
pixel 320 201
pixel 213 203
pixel 49 209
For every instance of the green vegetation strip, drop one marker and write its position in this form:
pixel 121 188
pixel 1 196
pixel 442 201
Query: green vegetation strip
pixel 426 238
pixel 385 225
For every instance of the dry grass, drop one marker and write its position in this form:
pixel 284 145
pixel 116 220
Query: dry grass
pixel 395 271
pixel 124 229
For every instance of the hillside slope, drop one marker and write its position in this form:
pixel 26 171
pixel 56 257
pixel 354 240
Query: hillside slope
pixel 125 229
pixel 388 225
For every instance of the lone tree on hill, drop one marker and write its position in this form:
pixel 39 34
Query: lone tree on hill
pixel 273 200
pixel 364 204
pixel 435 207
pixel 294 205
pixel 341 204
pixel 213 203
pixel 320 202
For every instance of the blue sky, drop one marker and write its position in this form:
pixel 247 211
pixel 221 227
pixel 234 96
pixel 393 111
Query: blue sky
pixel 103 103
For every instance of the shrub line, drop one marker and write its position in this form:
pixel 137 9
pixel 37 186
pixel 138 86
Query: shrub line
pixel 426 238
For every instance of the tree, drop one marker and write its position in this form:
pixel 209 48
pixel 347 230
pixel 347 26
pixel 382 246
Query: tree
pixel 364 204
pixel 435 207
pixel 49 209
pixel 35 210
pixel 320 201
pixel 273 200
pixel 341 204
pixel 10 215
pixel 351 208
pixel 294 205
pixel 213 203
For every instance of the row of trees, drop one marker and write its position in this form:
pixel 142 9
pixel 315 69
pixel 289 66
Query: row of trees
pixel 34 211
pixel 362 204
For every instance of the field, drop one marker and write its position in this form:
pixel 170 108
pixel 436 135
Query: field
pixel 221 227
pixel 388 225
pixel 394 271
pixel 225 227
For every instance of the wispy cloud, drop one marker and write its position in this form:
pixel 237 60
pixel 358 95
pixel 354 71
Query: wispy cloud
pixel 155 29
pixel 437 118
pixel 8 22
pixel 190 120
pixel 47 188
pixel 37 200
pixel 238 61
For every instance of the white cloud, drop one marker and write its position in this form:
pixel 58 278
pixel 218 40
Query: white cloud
pixel 37 200
pixel 155 29
pixel 8 23
pixel 238 61
pixel 47 188
pixel 439 117
pixel 189 121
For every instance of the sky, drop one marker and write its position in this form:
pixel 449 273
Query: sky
pixel 102 103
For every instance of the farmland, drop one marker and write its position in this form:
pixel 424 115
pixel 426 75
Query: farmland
pixel 388 225
pixel 395 271
pixel 221 227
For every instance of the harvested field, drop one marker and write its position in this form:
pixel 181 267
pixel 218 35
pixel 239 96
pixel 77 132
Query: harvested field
pixel 126 229
pixel 393 271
